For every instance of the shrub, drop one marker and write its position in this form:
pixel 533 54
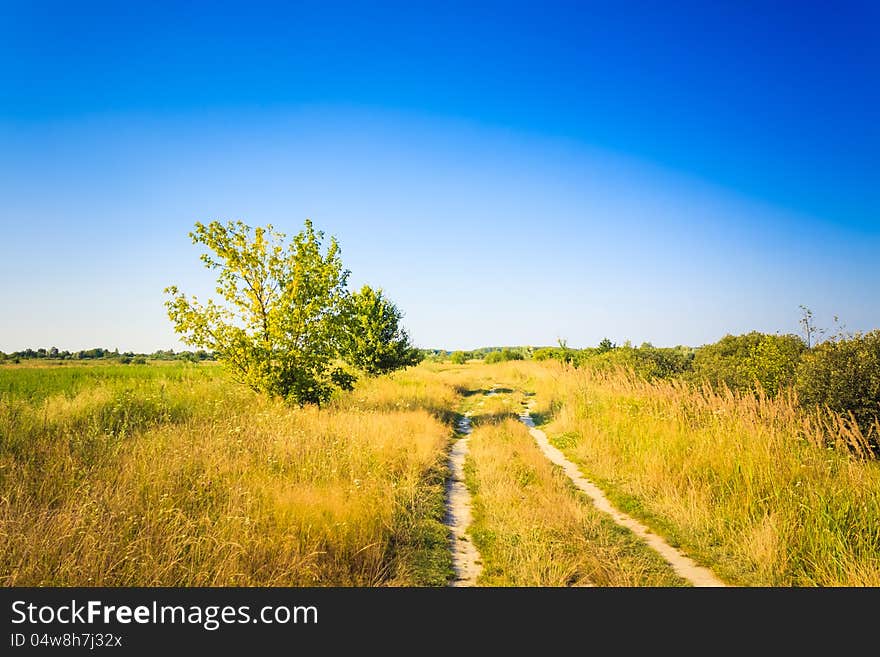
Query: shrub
pixel 741 362
pixel 844 375
pixel 606 345
pixel 459 357
pixel 563 354
pixel 662 362
pixel 647 361
pixel 503 355
pixel 545 353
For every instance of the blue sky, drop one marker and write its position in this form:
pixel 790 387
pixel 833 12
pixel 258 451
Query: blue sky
pixel 510 173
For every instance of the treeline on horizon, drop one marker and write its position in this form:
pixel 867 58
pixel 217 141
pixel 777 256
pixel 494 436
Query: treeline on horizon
pixel 841 374
pixel 100 353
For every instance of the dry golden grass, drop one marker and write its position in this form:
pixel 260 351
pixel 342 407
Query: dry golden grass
pixel 198 482
pixel 430 387
pixel 534 529
pixel 764 493
pixel 171 476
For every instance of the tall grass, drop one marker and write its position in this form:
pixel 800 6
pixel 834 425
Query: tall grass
pixel 172 476
pixel 764 493
pixel 429 387
pixel 534 529
pixel 169 475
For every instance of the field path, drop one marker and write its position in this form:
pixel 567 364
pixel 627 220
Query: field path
pixel 682 564
pixel 465 558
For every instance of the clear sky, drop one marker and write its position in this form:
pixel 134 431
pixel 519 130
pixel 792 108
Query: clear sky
pixel 509 173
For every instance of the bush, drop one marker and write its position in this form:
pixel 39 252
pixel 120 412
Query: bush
pixel 562 354
pixel 503 355
pixel 742 362
pixel 459 357
pixel 493 357
pixel 545 353
pixel 606 345
pixel 844 375
pixel 138 360
pixel 662 362
pixel 647 361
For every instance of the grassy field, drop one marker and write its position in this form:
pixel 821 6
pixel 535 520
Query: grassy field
pixel 532 527
pixel 751 486
pixel 167 474
pixel 36 380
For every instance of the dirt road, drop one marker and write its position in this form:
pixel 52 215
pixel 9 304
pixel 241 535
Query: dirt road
pixel 681 563
pixel 465 557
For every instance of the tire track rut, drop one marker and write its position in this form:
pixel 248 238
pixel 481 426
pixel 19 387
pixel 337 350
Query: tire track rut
pixel 681 563
pixel 466 562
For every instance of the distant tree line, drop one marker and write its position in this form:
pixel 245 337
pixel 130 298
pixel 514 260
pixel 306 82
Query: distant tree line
pixel 488 354
pixel 100 353
pixel 841 373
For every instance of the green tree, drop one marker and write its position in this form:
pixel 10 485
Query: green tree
pixel 606 345
pixel 278 326
pixel 647 361
pixel 459 357
pixel 544 353
pixel 739 361
pixel 503 355
pixel 566 355
pixel 773 361
pixel 844 375
pixel 375 341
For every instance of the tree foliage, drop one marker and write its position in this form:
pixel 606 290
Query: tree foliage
pixel 844 375
pixel 278 327
pixel 375 341
pixel 647 361
pixel 606 345
pixel 741 361
pixel 503 355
